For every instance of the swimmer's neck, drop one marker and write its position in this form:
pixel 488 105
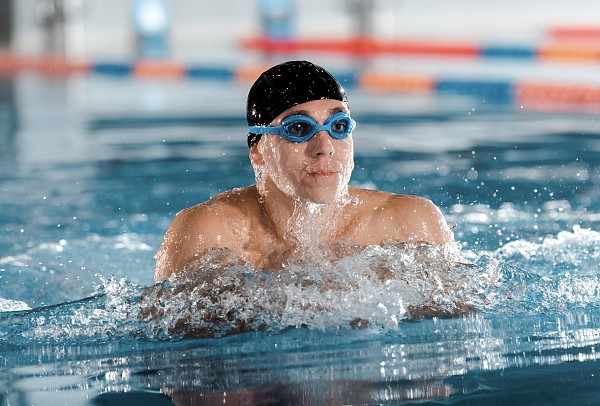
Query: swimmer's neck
pixel 285 214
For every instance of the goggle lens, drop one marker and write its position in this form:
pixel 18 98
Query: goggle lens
pixel 298 129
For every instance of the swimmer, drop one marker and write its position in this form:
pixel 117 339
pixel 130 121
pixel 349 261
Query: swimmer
pixel 302 153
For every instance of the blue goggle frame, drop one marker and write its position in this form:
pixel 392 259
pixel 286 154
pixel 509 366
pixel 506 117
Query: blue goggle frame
pixel 301 128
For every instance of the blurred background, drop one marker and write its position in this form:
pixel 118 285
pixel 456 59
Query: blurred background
pixel 68 66
pixel 93 30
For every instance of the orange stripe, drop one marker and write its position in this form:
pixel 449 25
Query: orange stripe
pixel 570 50
pixel 158 69
pixel 9 64
pixel 552 97
pixel 267 45
pixel 58 67
pixel 363 46
pixel 250 74
pixel 396 82
pixel 590 33
pixel 428 48
pixel 48 65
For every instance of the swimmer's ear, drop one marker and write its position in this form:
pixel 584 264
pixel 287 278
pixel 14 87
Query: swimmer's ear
pixel 256 157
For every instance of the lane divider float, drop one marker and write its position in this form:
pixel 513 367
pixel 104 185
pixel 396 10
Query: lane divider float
pixel 523 94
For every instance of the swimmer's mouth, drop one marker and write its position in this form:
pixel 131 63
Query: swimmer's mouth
pixel 322 170
pixel 323 173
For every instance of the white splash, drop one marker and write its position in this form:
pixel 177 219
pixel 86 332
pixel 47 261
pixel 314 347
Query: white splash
pixel 7 305
pixel 381 285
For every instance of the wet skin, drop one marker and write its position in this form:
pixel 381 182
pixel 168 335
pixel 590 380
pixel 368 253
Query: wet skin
pixel 301 202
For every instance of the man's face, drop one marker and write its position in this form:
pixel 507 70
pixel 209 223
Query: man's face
pixel 317 170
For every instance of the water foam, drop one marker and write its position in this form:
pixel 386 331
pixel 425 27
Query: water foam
pixel 557 274
pixel 379 285
pixel 7 305
pixel 577 251
pixel 383 286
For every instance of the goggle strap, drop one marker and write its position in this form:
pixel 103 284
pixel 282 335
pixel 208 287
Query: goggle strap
pixel 262 129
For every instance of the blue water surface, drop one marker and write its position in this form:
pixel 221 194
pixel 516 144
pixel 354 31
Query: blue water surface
pixel 81 222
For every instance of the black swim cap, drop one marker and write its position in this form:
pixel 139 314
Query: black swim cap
pixel 287 85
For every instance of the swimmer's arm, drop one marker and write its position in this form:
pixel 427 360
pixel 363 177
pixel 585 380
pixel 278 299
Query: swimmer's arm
pixel 190 235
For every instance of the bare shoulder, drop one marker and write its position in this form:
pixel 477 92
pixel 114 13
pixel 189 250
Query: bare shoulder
pixel 405 218
pixel 196 229
pixel 385 200
pixel 210 216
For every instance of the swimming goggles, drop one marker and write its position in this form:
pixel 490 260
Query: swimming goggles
pixel 300 128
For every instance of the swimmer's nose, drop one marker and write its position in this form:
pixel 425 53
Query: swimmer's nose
pixel 321 144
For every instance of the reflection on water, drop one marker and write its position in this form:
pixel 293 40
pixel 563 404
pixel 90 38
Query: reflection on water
pixel 9 121
pixel 477 355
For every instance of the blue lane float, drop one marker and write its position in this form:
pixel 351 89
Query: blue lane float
pixel 112 69
pixel 488 91
pixel 215 73
pixel 507 52
pixel 527 94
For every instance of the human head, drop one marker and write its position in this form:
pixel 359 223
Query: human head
pixel 317 170
pixel 286 85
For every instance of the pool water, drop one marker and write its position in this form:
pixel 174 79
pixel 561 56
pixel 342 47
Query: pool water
pixel 87 195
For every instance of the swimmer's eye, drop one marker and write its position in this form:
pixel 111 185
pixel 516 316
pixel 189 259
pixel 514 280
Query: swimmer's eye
pixel 299 129
pixel 340 126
